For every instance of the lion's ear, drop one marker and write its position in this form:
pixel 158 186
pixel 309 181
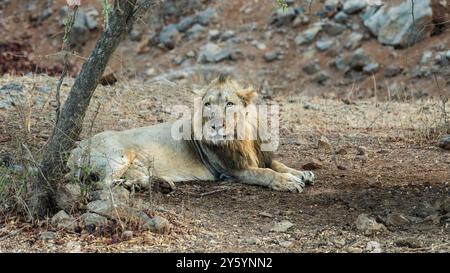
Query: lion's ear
pixel 248 95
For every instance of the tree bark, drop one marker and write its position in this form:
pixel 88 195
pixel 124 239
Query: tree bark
pixel 69 124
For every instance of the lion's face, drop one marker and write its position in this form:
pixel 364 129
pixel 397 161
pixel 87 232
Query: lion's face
pixel 225 111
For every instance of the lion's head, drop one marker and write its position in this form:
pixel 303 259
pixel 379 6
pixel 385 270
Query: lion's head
pixel 225 127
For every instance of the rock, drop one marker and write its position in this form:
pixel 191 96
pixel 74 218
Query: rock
pixel 373 247
pixel 47 235
pixel 253 241
pixel 185 23
pixel 371 68
pixel 368 225
pixel 11 88
pixel 441 59
pixel 68 195
pixel 321 78
pixel 94 219
pixel 312 67
pixel 392 70
pixel 282 17
pixel 333 29
pixel 122 212
pixel 358 59
pixel 353 6
pixel 91 18
pixel 206 16
pixel 271 55
pixel 300 20
pixel 265 214
pixel 213 34
pixel 324 45
pixel 79 34
pixel 312 165
pixel 342 167
pixel 393 24
pixel 127 235
pixel 397 219
pixel 426 57
pixel 282 226
pixel 340 17
pixel 212 53
pixel 227 35
pixel 447 54
pixel 169 36
pixel 339 63
pixel 324 143
pixel 361 150
pixel 62 220
pixel 354 40
pixel 330 5
pixel 286 244
pixel 161 225
pixel 308 36
pixel 195 31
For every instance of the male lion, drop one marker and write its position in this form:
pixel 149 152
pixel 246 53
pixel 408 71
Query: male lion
pixel 143 154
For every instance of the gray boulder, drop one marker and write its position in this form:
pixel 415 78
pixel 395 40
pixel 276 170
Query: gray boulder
pixel 62 220
pixel 354 40
pixel 358 59
pixel 206 16
pixel 333 29
pixel 324 44
pixel 312 67
pixel 94 219
pixel 393 24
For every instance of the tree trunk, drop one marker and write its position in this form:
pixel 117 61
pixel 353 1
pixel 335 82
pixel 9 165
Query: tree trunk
pixel 69 124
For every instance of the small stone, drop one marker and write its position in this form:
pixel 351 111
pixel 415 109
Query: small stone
pixel 161 225
pixel 312 67
pixel 371 68
pixel 340 17
pixel 321 78
pixel 282 226
pixel 62 220
pixel 308 36
pixel 354 40
pixel 47 235
pixel 271 55
pixel 444 142
pixel 206 16
pixel 368 225
pixel 324 143
pixel 392 70
pixel 195 31
pixel 312 165
pixel 342 167
pixel 286 244
pixel 94 219
pixel 334 29
pixel 324 45
pixel 227 35
pixel 353 6
pixel 265 214
pixel 127 235
pixel 359 59
pixel 426 57
pixel 169 36
pixel 214 34
pixel 185 23
pixel 283 17
pixel 397 219
pixel 373 247
pixel 361 150
pixel 118 193
pixel 253 241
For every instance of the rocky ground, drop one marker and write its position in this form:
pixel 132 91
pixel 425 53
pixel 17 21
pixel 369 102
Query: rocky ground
pixel 316 48
pixel 383 180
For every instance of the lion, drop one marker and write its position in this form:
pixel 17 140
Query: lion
pixel 141 155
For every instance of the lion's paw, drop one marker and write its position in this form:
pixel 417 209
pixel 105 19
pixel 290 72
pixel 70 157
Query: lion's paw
pixel 288 182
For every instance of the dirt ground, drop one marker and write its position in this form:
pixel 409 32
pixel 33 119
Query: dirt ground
pixel 402 171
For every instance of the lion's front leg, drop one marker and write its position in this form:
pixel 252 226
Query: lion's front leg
pixel 307 177
pixel 269 178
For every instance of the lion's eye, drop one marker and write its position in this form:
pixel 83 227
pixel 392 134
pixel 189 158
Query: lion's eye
pixel 207 104
pixel 229 104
